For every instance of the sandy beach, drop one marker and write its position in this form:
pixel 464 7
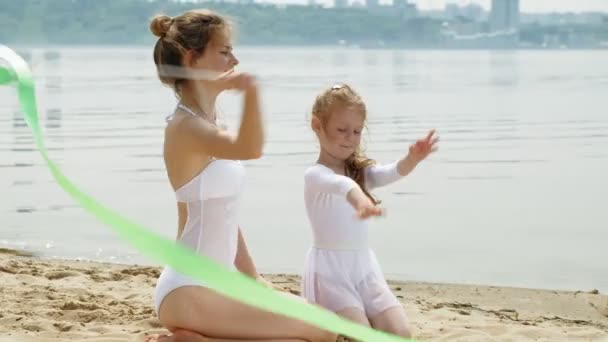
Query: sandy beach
pixel 55 300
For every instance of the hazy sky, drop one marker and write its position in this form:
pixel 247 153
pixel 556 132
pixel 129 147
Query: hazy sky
pixel 526 5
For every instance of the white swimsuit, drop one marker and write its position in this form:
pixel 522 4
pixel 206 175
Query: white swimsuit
pixel 341 270
pixel 212 225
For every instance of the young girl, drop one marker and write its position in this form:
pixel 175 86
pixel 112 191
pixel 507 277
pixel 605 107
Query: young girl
pixel 342 273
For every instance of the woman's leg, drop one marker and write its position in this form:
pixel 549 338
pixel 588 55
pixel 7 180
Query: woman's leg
pixel 188 336
pixel 203 311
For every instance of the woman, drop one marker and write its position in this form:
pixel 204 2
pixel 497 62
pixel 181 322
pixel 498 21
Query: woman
pixel 194 56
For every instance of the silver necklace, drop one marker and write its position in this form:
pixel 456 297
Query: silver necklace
pixel 188 110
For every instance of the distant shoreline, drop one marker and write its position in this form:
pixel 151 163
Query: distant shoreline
pixel 295 46
pixel 391 278
pixel 393 27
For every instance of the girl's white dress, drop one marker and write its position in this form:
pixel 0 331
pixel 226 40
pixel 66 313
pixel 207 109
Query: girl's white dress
pixel 341 269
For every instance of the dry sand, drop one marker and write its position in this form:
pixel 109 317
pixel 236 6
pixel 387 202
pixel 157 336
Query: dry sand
pixel 54 300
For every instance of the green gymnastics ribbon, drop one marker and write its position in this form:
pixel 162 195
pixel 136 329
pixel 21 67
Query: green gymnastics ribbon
pixel 227 282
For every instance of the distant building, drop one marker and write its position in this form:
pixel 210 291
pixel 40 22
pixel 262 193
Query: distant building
pixel 504 15
pixel 372 3
pixel 340 3
pixel 452 11
pixel 473 12
pixel 466 29
pixel 407 10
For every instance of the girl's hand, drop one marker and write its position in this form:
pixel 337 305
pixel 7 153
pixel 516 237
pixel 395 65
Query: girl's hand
pixel 369 211
pixel 363 205
pixel 419 150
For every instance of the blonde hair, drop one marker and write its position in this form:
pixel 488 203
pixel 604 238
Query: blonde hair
pixel 190 31
pixel 325 104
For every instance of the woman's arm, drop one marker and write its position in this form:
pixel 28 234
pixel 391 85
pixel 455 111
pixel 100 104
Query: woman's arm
pixel 207 139
pixel 244 263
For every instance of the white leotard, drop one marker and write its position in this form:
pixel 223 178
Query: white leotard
pixel 341 270
pixel 212 224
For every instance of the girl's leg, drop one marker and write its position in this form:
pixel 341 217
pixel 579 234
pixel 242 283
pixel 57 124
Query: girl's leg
pixel 354 314
pixel 392 320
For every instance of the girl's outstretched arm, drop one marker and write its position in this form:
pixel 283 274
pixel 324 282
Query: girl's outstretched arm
pixel 381 175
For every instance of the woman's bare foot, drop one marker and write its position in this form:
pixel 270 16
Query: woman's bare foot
pixel 177 336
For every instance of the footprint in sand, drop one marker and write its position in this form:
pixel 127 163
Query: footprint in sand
pixel 147 271
pixel 60 274
pixel 8 270
pixel 63 327
pixel 32 327
pixel 79 306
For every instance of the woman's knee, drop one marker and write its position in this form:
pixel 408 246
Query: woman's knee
pixel 216 314
pixel 402 330
pixel 319 335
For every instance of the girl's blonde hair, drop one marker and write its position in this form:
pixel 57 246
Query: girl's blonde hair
pixel 325 104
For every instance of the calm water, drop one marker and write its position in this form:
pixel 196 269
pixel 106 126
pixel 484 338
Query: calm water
pixel 515 196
